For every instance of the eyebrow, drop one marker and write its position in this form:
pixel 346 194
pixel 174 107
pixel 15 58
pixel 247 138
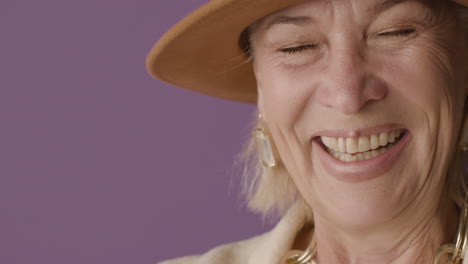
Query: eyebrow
pixel 385 5
pixel 304 20
pixel 296 20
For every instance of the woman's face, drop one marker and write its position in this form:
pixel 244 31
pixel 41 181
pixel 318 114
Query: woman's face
pixel 364 100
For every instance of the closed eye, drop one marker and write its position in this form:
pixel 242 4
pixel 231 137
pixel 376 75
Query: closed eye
pixel 298 49
pixel 397 33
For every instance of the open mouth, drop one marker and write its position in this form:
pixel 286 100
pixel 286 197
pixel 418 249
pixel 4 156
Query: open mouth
pixel 362 148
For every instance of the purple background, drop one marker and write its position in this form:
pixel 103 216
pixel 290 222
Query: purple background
pixel 99 162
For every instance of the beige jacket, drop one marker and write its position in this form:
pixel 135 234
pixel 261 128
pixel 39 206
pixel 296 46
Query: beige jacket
pixel 268 248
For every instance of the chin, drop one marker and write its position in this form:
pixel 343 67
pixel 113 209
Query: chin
pixel 369 201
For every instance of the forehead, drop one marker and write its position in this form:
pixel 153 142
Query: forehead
pixel 311 10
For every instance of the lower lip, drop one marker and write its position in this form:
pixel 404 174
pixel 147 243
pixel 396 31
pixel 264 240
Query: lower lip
pixel 364 170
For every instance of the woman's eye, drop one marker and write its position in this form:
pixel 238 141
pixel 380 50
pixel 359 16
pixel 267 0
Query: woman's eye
pixel 397 33
pixel 393 33
pixel 297 49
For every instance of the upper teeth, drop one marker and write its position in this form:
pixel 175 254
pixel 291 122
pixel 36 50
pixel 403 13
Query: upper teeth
pixel 361 144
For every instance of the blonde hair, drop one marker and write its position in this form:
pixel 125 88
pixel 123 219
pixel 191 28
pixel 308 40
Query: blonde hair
pixel 271 192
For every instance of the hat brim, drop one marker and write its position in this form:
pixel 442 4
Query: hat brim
pixel 201 52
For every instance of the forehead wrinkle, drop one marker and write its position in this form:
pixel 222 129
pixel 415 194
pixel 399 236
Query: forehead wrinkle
pixel 377 8
pixel 277 18
pixel 385 5
pixel 330 5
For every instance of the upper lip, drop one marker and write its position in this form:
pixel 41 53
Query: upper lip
pixel 355 133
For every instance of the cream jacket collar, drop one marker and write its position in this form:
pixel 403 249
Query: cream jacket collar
pixel 268 248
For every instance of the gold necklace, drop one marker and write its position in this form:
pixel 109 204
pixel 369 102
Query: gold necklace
pixel 456 250
pixel 307 257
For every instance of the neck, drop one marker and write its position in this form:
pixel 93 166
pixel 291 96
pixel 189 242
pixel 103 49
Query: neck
pixel 408 239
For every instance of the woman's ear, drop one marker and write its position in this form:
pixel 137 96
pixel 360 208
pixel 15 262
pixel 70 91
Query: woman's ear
pixel 259 101
pixel 259 89
pixel 260 104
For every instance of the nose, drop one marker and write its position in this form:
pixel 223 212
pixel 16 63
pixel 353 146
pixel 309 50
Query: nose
pixel 349 85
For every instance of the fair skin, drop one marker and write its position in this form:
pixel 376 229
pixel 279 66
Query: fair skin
pixel 358 68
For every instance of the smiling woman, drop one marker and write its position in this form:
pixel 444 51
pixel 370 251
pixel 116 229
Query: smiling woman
pixel 360 104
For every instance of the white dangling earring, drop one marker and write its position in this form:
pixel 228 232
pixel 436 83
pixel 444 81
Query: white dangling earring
pixel 266 148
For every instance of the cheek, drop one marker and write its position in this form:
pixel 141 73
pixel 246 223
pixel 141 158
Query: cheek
pixel 282 102
pixel 427 76
pixel 280 95
pixel 285 90
pixel 428 82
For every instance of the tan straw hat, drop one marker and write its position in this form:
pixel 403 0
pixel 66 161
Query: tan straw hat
pixel 202 52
